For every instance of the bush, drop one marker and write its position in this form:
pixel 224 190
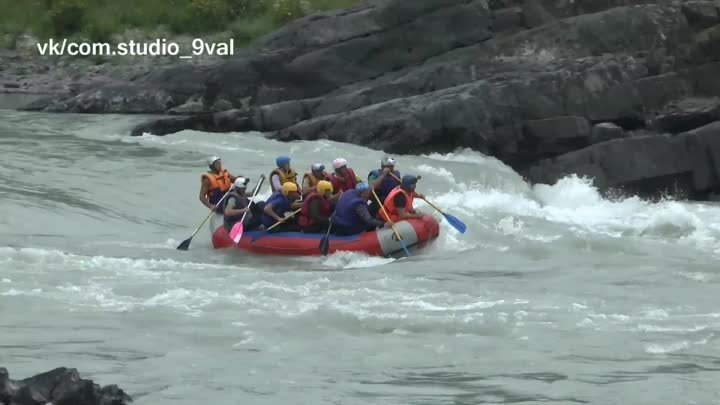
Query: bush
pixel 284 11
pixel 101 19
pixel 67 16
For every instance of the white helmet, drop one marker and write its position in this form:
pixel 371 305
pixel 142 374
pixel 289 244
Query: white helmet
pixel 387 161
pixel 339 162
pixel 241 182
pixel 212 159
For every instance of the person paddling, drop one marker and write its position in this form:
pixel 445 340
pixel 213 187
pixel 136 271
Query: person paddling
pixel 383 182
pixel 237 204
pixel 282 174
pixel 214 184
pixel 316 174
pixel 280 203
pixel 351 215
pixel 344 178
pixel 399 203
pixel 317 208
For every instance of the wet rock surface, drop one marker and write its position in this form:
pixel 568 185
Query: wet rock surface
pixel 540 84
pixel 60 386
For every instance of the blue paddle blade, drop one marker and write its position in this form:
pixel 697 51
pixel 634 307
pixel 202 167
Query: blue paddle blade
pixel 456 223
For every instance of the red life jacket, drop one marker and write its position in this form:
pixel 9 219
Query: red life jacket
pixel 344 184
pixel 390 207
pixel 306 219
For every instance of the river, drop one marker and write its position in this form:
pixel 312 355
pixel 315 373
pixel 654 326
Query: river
pixel 553 295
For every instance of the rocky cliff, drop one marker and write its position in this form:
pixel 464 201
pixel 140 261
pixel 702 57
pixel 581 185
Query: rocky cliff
pixel 625 91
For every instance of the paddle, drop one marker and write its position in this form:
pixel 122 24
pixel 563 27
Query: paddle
pixel 391 222
pixel 186 243
pixel 325 241
pixel 284 219
pixel 237 229
pixel 456 223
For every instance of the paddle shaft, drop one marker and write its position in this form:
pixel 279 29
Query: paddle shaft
pixel 284 219
pixel 257 189
pixel 211 212
pixel 386 214
pixel 431 204
pixel 325 241
pixel 456 223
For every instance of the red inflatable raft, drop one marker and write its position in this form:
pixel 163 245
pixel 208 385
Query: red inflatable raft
pixel 415 233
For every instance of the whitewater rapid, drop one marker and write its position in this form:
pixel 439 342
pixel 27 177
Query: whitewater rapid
pixel 554 294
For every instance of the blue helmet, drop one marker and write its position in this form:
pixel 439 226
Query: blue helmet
pixel 409 180
pixel 282 160
pixel 360 187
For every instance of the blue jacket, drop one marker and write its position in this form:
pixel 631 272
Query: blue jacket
pixel 386 185
pixel 280 204
pixel 345 214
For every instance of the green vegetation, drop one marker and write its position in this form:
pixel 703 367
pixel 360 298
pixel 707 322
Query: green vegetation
pixel 98 20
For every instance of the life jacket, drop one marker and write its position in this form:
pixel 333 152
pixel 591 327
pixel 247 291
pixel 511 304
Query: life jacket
pixel 345 215
pixel 219 185
pixel 344 184
pixel 290 176
pixel 280 204
pixel 389 204
pixel 387 185
pixel 313 179
pixel 306 219
pixel 230 221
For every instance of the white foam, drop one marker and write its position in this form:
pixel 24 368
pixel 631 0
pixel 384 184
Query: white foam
pixel 353 260
pixel 141 267
pixel 655 348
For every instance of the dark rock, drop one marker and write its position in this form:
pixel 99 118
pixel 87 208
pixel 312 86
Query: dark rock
pixel 701 13
pixel 61 386
pixel 684 165
pixel 606 131
pixel 225 121
pixel 507 19
pixel 554 136
pixel 535 14
pixel 521 80
pixel 11 85
pixel 706 45
pixel 687 114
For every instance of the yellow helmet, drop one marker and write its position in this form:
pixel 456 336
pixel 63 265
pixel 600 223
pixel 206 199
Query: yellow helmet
pixel 289 187
pixel 324 186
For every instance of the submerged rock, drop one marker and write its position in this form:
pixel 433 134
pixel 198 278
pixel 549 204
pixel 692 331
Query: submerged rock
pixel 61 386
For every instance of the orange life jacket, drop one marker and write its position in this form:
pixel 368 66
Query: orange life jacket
pixel 219 185
pixel 290 176
pixel 389 204
pixel 313 179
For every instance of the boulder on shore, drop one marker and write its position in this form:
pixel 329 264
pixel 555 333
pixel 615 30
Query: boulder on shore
pixel 525 81
pixel 61 386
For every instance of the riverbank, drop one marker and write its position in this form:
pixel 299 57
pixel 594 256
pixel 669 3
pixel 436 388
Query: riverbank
pixel 623 92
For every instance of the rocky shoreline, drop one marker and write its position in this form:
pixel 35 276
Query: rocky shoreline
pixel 60 386
pixel 624 91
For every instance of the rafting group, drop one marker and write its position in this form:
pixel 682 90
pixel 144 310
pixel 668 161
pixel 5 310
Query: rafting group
pixel 353 206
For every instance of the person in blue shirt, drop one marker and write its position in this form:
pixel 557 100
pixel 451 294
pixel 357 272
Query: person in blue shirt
pixel 351 215
pixel 278 205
